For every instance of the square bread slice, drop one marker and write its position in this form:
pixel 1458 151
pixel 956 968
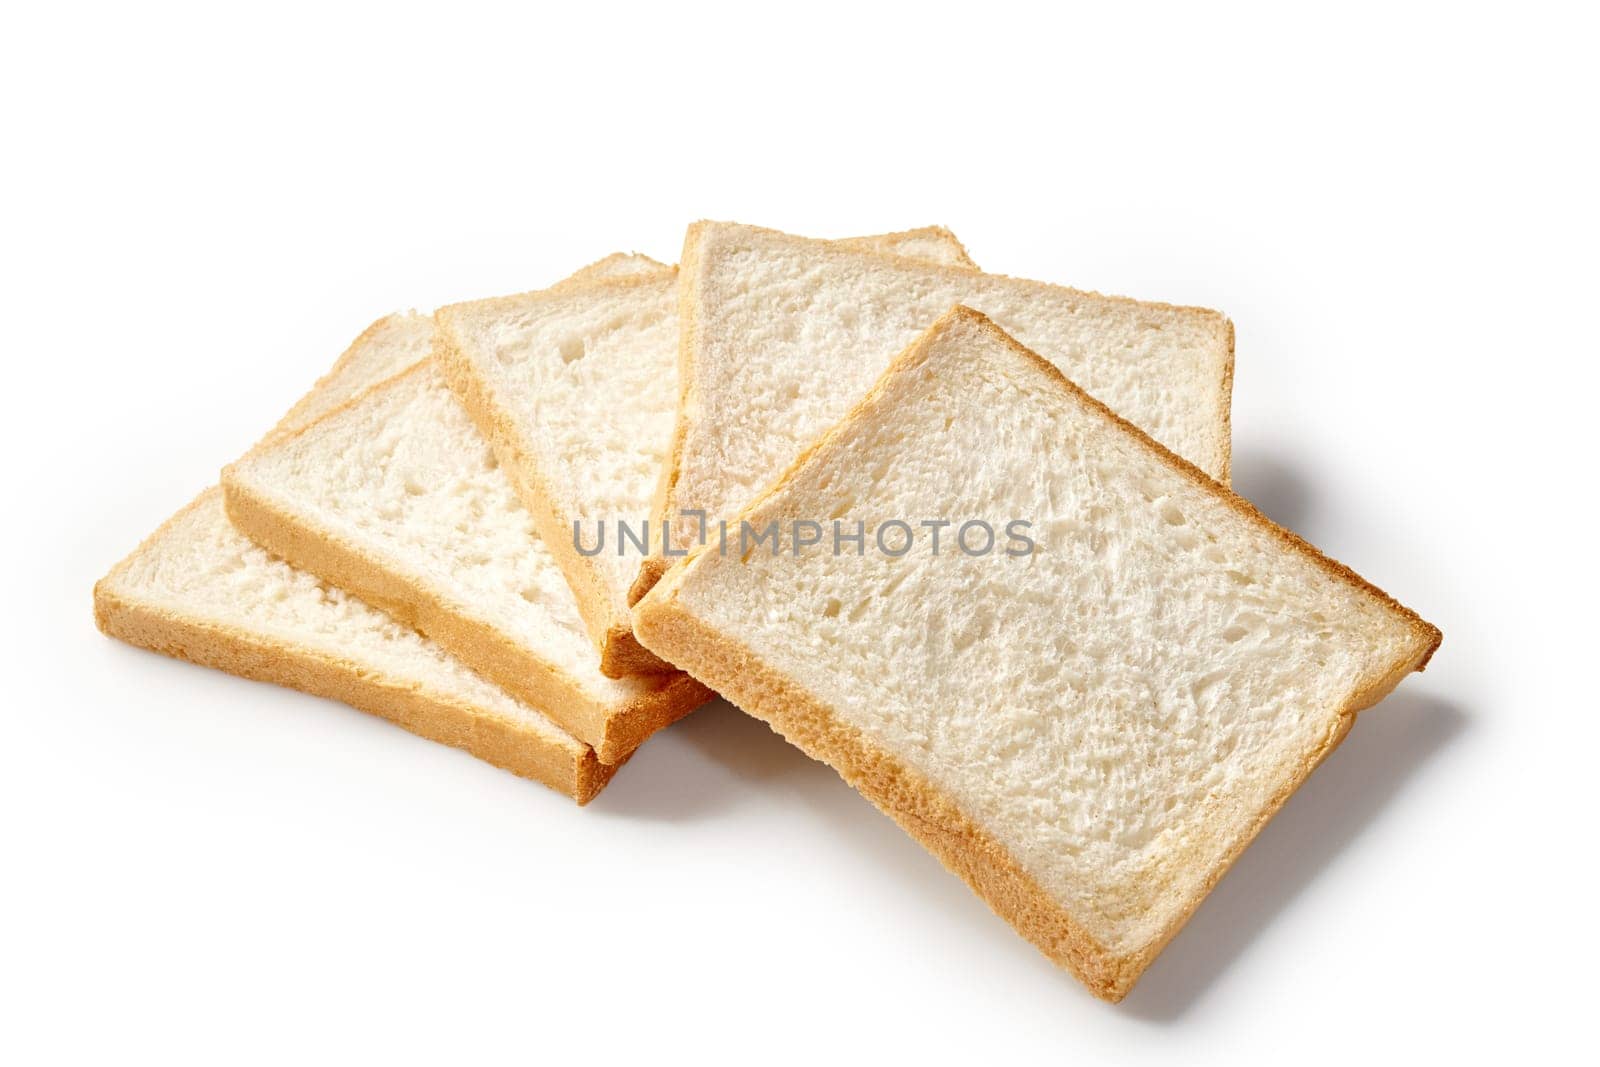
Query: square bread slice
pixel 576 389
pixel 1088 733
pixel 781 335
pixel 398 499
pixel 199 590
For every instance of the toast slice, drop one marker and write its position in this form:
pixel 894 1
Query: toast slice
pixel 1088 733
pixel 396 498
pixel 576 390
pixel 781 335
pixel 199 590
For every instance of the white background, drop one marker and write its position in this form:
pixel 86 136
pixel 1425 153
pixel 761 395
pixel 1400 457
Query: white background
pixel 201 209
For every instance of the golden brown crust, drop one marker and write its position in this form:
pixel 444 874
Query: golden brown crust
pixel 622 656
pixel 1225 475
pixel 613 731
pixel 651 568
pixel 570 768
pixel 924 811
pixel 633 723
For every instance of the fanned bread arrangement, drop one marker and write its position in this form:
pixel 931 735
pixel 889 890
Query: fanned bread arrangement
pixel 199 590
pixel 964 537
pixel 396 498
pixel 576 389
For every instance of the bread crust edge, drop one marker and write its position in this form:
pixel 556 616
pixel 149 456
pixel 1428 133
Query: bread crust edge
pixel 571 769
pixel 480 646
pixel 652 567
pixel 613 730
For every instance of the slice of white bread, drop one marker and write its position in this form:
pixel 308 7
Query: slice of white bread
pixel 576 389
pixel 1089 734
pixel 781 335
pixel 199 590
pixel 397 498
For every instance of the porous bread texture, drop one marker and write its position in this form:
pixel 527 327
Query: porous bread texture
pixel 781 335
pixel 1089 734
pixel 199 590
pixel 397 498
pixel 576 389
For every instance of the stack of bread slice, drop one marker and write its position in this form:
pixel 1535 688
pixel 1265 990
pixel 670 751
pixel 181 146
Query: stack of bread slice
pixel 522 526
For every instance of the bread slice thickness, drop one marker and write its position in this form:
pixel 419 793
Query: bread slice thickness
pixel 1088 734
pixel 397 498
pixel 576 390
pixel 781 335
pixel 198 590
